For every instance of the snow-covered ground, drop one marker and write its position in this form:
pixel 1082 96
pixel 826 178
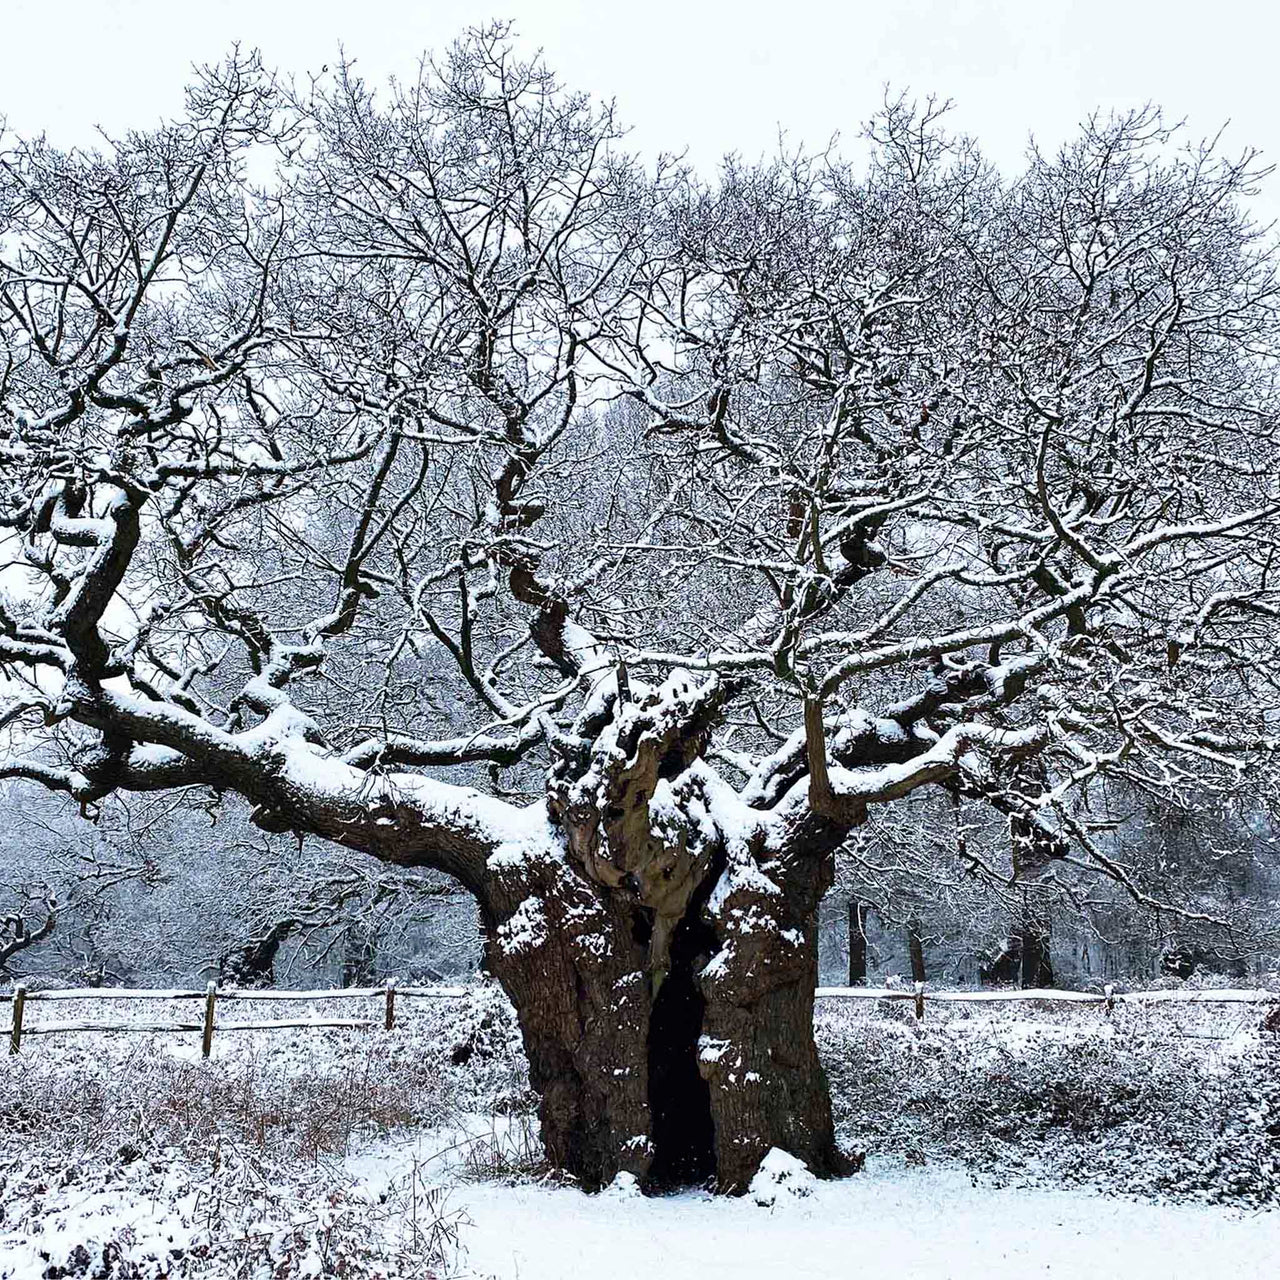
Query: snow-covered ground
pixel 935 1222
pixel 993 1137
pixel 929 1223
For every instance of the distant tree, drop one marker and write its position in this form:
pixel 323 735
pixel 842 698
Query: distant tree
pixel 331 907
pixel 736 511
pixel 26 920
pixel 857 931
pixel 61 877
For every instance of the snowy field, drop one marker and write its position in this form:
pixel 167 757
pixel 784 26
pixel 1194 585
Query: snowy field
pixel 928 1223
pixel 934 1222
pixel 1001 1142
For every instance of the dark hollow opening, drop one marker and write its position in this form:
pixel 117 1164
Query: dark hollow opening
pixel 679 1099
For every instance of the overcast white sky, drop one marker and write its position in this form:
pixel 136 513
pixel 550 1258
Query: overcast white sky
pixel 708 75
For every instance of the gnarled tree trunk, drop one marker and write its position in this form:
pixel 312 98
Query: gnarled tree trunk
pixel 660 948
pixel 681 1076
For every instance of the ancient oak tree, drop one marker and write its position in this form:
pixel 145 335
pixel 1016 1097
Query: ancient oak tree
pixel 430 473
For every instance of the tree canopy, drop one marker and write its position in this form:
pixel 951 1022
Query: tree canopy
pixel 428 470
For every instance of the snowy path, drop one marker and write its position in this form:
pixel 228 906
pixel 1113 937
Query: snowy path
pixel 919 1224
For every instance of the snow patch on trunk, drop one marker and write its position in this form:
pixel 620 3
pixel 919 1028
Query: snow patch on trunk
pixel 526 930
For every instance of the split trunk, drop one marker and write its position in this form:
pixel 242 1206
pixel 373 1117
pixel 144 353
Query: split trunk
pixel 678 1050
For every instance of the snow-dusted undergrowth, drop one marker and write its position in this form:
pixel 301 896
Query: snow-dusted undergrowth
pixel 127 1156
pixel 1176 1102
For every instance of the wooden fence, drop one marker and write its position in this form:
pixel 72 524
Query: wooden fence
pixel 388 993
pixel 1108 999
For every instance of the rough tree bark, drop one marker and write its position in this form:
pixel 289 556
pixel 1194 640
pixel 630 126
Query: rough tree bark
pixel 661 953
pixel 915 945
pixel 1037 968
pixel 677 1079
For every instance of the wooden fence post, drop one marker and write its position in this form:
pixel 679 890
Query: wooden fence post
pixel 919 1001
pixel 19 1004
pixel 1110 992
pixel 391 1004
pixel 211 996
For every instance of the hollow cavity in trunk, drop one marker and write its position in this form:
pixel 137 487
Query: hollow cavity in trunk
pixel 679 1098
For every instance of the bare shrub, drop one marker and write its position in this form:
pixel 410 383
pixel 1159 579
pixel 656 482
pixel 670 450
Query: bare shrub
pixel 1143 1106
pixel 509 1152
pixel 151 1101
pixel 236 1218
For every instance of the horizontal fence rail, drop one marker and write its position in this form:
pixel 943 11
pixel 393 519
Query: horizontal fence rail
pixel 1050 996
pixel 50 1028
pixel 20 997
pixel 150 993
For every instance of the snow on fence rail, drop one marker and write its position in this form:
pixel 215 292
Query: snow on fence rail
pixel 20 997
